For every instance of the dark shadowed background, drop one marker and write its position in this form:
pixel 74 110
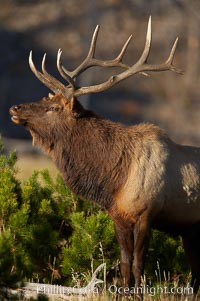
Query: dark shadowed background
pixel 166 99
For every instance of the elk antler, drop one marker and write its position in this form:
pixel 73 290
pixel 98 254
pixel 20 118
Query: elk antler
pixel 91 61
pixel 141 66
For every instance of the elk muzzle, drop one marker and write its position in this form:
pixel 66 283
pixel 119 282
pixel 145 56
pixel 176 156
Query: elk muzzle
pixel 15 115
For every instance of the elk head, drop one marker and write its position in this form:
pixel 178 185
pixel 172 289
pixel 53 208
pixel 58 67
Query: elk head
pixel 44 117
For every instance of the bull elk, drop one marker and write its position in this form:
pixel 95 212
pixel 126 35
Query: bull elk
pixel 136 173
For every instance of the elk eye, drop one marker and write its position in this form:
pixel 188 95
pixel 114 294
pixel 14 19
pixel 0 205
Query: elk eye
pixel 53 108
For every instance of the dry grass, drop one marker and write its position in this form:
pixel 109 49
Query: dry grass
pixel 27 163
pixel 29 158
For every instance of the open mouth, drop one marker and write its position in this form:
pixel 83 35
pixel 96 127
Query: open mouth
pixel 16 118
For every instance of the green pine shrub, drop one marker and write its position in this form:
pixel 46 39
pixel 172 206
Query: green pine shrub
pixel 92 241
pixel 165 256
pixel 33 223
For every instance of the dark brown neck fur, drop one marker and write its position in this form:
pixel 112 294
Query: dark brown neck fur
pixel 93 157
pixel 88 166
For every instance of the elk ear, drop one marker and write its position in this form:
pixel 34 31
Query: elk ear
pixel 50 95
pixel 72 103
pixel 74 106
pixel 68 102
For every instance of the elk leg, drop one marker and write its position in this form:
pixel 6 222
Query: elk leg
pixel 191 245
pixel 124 236
pixel 141 240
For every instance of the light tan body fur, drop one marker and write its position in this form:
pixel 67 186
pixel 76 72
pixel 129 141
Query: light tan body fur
pixel 164 179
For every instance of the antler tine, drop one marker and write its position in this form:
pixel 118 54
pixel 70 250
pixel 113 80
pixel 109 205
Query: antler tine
pixel 62 73
pixel 121 54
pixel 147 46
pixel 52 85
pixel 59 85
pixel 38 74
pixel 92 49
pixel 169 61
